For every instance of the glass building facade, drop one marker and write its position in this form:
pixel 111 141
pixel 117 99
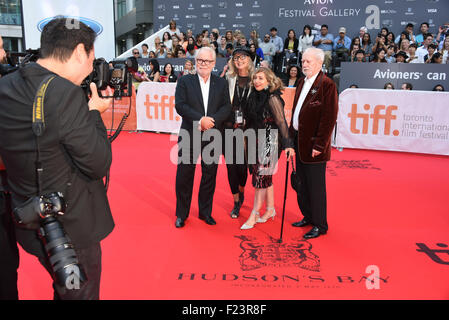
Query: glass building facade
pixel 10 12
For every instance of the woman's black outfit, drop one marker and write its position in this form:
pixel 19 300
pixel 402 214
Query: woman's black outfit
pixel 295 44
pixel 266 111
pixel 255 59
pixel 237 162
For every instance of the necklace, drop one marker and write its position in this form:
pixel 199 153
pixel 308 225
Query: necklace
pixel 242 95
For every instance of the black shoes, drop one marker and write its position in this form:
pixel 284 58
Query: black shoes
pixel 179 223
pixel 314 233
pixel 236 210
pixel 208 220
pixel 301 223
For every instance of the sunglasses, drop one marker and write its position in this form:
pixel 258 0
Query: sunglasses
pixel 135 52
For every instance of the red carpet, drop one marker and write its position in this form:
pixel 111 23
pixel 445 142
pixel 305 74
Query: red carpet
pixel 381 205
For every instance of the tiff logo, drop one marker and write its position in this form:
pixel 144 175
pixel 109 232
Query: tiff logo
pixel 157 108
pixel 377 116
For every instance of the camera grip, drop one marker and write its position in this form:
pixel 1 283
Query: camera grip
pixel 25 215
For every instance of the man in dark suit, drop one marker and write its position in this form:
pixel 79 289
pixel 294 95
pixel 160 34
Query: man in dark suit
pixel 75 152
pixel 202 100
pixel 314 112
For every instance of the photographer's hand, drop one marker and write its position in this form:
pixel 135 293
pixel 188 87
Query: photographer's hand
pixel 97 103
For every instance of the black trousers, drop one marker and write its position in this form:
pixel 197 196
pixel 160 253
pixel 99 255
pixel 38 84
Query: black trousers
pixel 311 194
pixel 185 174
pixel 237 169
pixel 9 253
pixel 90 260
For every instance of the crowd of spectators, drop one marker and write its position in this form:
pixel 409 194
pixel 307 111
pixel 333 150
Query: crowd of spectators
pixel 281 54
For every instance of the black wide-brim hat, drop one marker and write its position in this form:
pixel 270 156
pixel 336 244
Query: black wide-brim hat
pixel 241 50
pixel 401 53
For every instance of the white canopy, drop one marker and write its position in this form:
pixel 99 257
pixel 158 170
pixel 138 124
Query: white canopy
pixel 149 41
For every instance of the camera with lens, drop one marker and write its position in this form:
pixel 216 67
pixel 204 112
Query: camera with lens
pixel 118 77
pixel 41 213
pixel 17 60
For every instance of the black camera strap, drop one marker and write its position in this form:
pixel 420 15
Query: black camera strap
pixel 38 125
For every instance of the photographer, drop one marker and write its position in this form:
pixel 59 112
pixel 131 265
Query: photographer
pixel 74 150
pixel 9 254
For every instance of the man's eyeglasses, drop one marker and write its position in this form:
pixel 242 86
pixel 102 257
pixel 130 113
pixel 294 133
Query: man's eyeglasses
pixel 204 62
pixel 136 52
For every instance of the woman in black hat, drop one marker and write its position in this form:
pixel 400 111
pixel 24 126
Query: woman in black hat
pixel 240 71
pixel 401 57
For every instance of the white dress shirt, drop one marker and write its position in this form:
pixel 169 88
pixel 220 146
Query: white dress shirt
pixel 308 83
pixel 205 86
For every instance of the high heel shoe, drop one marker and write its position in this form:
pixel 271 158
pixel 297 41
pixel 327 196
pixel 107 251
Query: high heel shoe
pixel 261 220
pixel 246 226
pixel 236 210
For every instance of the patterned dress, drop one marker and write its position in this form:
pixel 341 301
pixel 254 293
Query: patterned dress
pixel 266 115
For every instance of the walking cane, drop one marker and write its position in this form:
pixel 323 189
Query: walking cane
pixel 285 198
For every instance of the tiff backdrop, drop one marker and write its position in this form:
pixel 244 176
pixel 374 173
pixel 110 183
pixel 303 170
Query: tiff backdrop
pixel 261 15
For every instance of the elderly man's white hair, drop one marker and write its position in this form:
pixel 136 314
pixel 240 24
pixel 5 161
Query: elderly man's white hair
pixel 318 53
pixel 208 49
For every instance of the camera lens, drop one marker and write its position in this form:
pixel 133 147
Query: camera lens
pixel 63 259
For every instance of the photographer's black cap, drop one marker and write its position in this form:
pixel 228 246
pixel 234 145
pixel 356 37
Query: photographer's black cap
pixel 241 50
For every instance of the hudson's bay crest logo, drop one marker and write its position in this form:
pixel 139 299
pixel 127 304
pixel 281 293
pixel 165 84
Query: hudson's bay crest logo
pixel 266 263
pixel 296 253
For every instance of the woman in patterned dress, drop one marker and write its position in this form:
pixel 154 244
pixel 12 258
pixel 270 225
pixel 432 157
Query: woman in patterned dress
pixel 265 113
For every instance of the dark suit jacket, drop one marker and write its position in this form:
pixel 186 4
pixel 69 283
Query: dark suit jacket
pixel 189 100
pixel 316 119
pixel 75 154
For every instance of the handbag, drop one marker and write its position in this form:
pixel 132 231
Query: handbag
pixel 294 179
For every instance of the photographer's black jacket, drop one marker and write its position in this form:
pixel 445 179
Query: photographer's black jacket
pixel 75 153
